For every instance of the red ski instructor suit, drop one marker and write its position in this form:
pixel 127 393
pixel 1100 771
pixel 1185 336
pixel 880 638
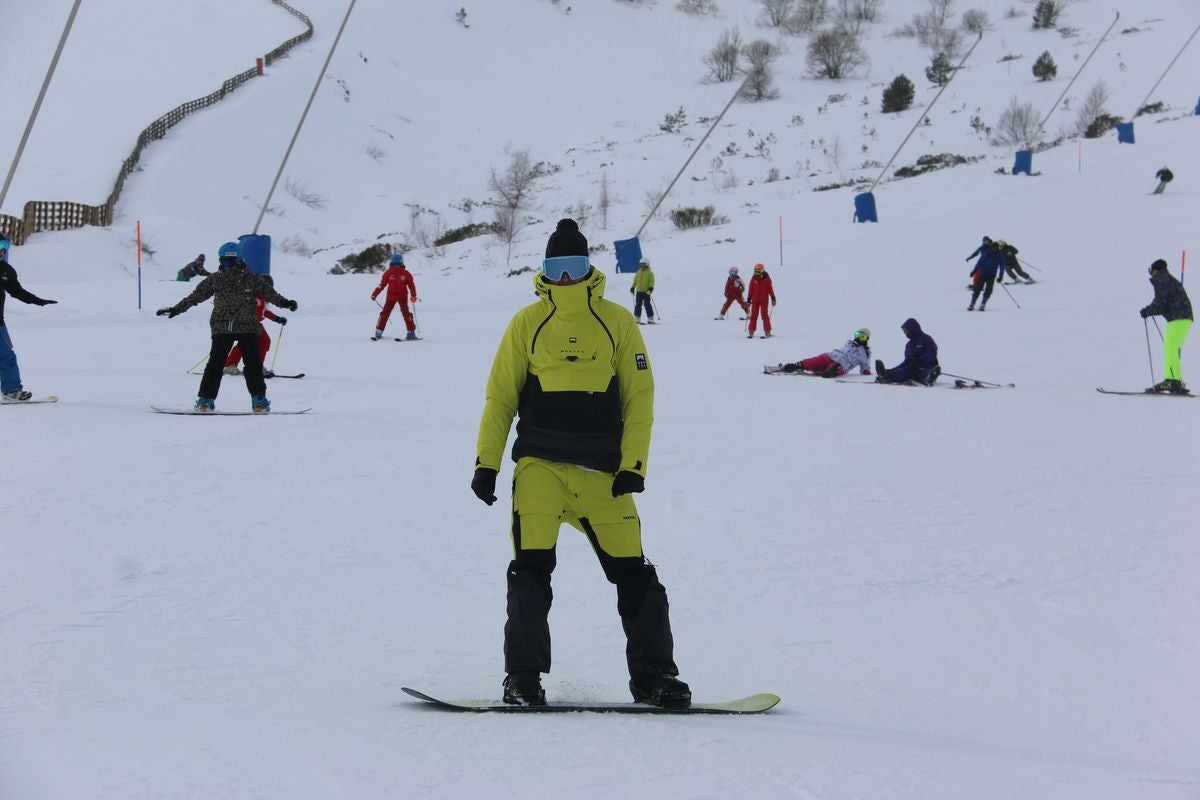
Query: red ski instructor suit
pixel 760 293
pixel 400 287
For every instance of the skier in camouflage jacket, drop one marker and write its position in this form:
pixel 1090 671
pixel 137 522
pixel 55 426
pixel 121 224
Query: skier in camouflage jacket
pixel 235 291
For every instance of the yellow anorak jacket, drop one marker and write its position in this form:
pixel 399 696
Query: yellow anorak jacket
pixel 574 368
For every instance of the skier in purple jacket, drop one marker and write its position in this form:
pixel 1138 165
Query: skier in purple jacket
pixel 920 363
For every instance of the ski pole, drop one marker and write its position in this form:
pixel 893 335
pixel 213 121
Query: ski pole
pixel 1160 333
pixel 416 322
pixel 278 344
pixel 654 307
pixel 977 380
pixel 1024 262
pixel 198 363
pixel 1010 295
pixel 1149 355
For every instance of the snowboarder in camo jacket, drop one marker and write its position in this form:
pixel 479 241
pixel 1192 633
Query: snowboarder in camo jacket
pixel 235 291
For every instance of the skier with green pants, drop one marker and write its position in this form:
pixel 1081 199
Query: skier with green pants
pixel 1170 301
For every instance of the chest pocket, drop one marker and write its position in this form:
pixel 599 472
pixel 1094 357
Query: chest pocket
pixel 572 363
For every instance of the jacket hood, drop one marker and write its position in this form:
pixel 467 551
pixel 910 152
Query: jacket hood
pixel 573 297
pixel 911 328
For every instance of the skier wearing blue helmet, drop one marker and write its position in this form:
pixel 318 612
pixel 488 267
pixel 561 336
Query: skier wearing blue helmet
pixel 235 291
pixel 399 284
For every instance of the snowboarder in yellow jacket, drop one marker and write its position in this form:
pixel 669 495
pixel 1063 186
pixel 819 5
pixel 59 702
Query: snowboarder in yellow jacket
pixel 573 367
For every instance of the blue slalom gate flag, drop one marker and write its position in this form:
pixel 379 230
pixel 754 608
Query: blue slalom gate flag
pixel 629 253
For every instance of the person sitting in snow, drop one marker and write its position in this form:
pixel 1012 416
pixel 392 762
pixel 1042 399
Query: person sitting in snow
pixel 733 293
pixel 920 364
pixel 193 269
pixel 854 353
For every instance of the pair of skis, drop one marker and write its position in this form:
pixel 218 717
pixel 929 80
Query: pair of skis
pixel 1146 392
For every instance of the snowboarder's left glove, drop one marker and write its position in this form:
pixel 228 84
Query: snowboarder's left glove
pixel 627 482
pixel 281 320
pixel 484 484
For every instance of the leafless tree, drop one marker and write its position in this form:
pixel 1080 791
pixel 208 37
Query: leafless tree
pixel 809 15
pixel 1092 107
pixel 511 189
pixel 604 201
pixel 834 52
pixel 722 60
pixel 1017 124
pixel 776 11
pixel 761 54
pixel 975 21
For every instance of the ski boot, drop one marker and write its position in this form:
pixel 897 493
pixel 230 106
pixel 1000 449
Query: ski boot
pixel 411 336
pixel 377 336
pixel 230 370
pixel 259 404
pixel 524 689
pixel 660 689
pixel 205 404
pixel 17 396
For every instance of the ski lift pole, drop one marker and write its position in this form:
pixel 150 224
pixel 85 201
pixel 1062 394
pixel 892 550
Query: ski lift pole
pixel 925 111
pixel 1037 132
pixel 287 154
pixel 1165 71
pixel 62 42
pixel 703 139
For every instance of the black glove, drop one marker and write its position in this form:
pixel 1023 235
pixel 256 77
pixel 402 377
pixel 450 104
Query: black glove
pixel 47 302
pixel 166 312
pixel 281 320
pixel 484 484
pixel 650 290
pixel 631 290
pixel 294 305
pixel 628 482
pixel 1145 312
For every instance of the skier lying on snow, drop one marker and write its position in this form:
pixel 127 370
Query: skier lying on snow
pixel 854 353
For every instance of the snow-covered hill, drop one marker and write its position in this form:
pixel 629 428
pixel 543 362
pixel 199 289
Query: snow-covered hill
pixel 984 594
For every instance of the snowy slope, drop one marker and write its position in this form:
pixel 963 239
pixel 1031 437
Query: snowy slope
pixel 957 594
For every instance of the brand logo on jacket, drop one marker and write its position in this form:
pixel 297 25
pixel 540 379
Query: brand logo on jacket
pixel 640 360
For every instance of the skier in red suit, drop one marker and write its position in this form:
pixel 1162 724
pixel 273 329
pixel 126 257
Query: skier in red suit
pixel 264 340
pixel 733 293
pixel 761 291
pixel 400 286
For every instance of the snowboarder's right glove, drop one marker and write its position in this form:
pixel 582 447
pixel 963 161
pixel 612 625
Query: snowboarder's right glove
pixel 484 484
pixel 166 312
pixel 627 482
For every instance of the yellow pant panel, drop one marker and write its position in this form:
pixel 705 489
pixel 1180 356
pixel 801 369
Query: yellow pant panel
pixel 546 494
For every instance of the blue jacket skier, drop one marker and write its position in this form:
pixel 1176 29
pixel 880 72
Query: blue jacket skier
pixel 920 358
pixel 987 270
pixel 10 371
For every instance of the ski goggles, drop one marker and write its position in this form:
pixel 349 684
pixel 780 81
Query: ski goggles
pixel 861 336
pixel 574 267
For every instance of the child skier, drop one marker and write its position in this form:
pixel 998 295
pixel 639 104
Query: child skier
pixel 234 289
pixel 400 286
pixel 192 269
pixel 10 371
pixel 760 292
pixel 642 288
pixel 854 353
pixel 264 339
pixel 733 293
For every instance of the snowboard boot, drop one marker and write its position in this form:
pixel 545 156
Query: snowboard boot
pixel 17 396
pixel 524 689
pixel 660 689
pixel 205 404
pixel 259 404
pixel 411 336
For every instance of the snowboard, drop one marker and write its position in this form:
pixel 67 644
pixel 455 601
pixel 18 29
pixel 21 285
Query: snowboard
pixel 754 704
pixel 1145 392
pixel 194 413
pixel 47 399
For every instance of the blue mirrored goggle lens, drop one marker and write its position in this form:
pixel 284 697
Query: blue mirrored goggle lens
pixel 575 267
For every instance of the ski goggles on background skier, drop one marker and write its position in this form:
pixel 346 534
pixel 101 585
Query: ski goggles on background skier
pixel 574 267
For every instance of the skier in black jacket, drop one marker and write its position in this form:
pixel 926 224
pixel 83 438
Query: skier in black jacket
pixel 235 290
pixel 10 371
pixel 1170 301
